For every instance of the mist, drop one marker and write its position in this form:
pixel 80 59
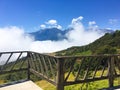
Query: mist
pixel 14 38
pixel 78 36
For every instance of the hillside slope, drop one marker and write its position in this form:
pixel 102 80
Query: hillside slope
pixel 108 44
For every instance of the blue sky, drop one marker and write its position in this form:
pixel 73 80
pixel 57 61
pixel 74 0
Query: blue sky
pixel 30 14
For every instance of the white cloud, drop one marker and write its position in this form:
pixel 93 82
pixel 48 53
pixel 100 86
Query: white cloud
pixel 79 36
pixel 76 37
pixel 56 26
pixel 52 22
pixel 76 20
pixel 91 23
pixel 14 38
pixel 42 26
pixel 109 28
pixel 59 27
pixel 49 46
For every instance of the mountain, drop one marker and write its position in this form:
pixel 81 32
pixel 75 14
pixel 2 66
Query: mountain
pixel 55 34
pixel 49 34
pixel 107 44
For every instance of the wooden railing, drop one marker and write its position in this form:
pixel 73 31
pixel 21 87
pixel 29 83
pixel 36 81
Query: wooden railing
pixel 88 68
pixel 57 69
pixel 8 60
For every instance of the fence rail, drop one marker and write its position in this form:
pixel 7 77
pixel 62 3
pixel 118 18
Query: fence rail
pixel 57 69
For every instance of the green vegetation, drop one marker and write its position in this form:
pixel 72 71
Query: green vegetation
pixel 97 85
pixel 108 44
pixel 14 76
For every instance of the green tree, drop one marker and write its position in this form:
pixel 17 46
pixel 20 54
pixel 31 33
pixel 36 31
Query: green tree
pixel 106 50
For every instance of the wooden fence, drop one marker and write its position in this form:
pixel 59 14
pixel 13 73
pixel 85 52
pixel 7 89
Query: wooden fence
pixel 57 69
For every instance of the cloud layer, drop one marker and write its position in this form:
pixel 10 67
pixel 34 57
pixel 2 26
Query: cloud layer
pixel 14 38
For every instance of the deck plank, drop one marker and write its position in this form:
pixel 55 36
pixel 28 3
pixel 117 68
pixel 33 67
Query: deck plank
pixel 28 85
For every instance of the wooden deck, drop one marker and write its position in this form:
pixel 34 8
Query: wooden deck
pixel 27 85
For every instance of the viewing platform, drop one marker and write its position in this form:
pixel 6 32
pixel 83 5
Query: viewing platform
pixel 27 85
pixel 57 70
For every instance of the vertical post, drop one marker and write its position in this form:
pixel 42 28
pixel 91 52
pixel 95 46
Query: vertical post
pixel 28 67
pixel 111 71
pixel 60 74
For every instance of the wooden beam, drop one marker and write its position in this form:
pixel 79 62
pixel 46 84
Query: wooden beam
pixel 60 74
pixel 111 71
pixel 84 81
pixel 42 76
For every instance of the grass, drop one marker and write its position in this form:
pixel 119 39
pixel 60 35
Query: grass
pixel 84 86
pixel 45 85
pixel 2 81
pixel 84 53
pixel 91 86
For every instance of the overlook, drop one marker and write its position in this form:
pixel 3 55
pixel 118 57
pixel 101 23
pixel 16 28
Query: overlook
pixel 59 45
pixel 57 70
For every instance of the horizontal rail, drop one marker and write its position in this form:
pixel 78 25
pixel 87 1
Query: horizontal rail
pixel 13 52
pixel 42 76
pixel 79 56
pixel 87 80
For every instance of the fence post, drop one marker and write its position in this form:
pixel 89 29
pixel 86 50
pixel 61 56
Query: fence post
pixel 60 74
pixel 111 71
pixel 28 67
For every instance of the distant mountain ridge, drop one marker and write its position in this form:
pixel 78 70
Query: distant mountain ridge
pixel 55 34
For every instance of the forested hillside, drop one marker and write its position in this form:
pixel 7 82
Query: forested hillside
pixel 107 44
